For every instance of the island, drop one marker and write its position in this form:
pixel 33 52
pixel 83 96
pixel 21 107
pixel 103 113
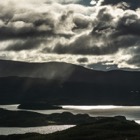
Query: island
pixel 38 106
pixel 33 119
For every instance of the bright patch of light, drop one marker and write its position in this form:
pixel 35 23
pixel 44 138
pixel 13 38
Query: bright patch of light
pixel 93 2
pixel 90 107
pixel 137 121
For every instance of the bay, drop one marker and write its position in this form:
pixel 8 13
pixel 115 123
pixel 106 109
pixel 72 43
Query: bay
pixel 41 130
pixel 130 112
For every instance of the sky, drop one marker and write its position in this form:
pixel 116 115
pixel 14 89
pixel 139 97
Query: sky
pixel 100 34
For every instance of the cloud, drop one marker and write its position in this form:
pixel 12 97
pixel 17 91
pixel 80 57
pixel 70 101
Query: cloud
pixel 82 60
pixel 63 1
pixel 135 60
pixel 70 29
pixel 109 33
pixel 23 45
pixel 132 4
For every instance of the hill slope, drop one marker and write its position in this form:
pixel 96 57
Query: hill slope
pixel 102 129
pixel 62 83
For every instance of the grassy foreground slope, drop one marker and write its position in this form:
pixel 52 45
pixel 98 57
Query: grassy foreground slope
pixel 103 129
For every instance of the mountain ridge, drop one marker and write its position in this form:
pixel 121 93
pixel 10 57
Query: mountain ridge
pixel 68 84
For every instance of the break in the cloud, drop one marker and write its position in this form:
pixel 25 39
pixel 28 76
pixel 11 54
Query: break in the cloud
pixel 77 31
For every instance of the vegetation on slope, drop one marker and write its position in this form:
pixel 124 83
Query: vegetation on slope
pixel 116 128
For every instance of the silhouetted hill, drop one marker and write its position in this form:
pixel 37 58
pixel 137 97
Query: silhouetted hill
pixel 50 70
pixel 38 106
pixel 102 129
pixel 62 83
pixel 32 119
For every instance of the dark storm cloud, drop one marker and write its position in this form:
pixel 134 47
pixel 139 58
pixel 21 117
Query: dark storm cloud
pixel 109 34
pixel 81 23
pixel 71 27
pixel 12 33
pixel 85 45
pixel 26 27
pixel 24 45
pixel 133 4
pixel 129 24
pixel 31 32
pixel 82 60
pixel 135 55
pixel 27 24
pixel 81 2
pixel 135 60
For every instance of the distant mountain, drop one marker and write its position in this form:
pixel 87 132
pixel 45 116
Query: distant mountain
pixel 63 83
pixel 50 70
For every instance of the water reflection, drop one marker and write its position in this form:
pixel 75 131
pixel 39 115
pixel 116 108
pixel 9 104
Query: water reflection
pixel 130 112
pixel 41 130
